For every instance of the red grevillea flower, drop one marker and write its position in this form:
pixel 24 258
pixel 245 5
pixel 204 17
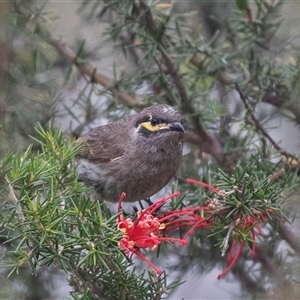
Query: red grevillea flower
pixel 150 227
pixel 206 185
pixel 147 231
pixel 232 258
pixel 247 224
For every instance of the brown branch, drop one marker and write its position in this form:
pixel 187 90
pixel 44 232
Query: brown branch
pixel 150 23
pixel 90 71
pixel 85 68
pixel 289 237
pixel 273 269
pixel 279 102
pixel 277 174
pixel 200 136
pixel 207 143
pixel 257 123
pixel 293 163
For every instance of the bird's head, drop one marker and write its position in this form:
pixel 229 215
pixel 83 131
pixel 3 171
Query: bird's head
pixel 160 122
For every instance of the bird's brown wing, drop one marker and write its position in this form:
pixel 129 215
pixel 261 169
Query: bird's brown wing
pixel 104 143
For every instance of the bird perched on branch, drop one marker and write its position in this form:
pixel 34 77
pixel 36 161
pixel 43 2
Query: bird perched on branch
pixel 137 154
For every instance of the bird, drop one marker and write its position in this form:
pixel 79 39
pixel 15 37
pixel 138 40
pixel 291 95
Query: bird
pixel 137 154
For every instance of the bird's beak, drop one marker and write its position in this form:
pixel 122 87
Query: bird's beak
pixel 175 126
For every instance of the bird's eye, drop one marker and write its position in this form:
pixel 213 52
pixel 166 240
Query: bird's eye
pixel 154 122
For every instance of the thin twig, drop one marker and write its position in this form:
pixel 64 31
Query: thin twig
pixel 14 200
pixel 200 136
pixel 279 102
pixel 257 123
pixel 225 243
pixel 92 285
pixel 260 128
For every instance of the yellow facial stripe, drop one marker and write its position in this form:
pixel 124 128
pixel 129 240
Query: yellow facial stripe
pixel 147 125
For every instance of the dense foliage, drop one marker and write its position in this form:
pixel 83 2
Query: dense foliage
pixel 228 80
